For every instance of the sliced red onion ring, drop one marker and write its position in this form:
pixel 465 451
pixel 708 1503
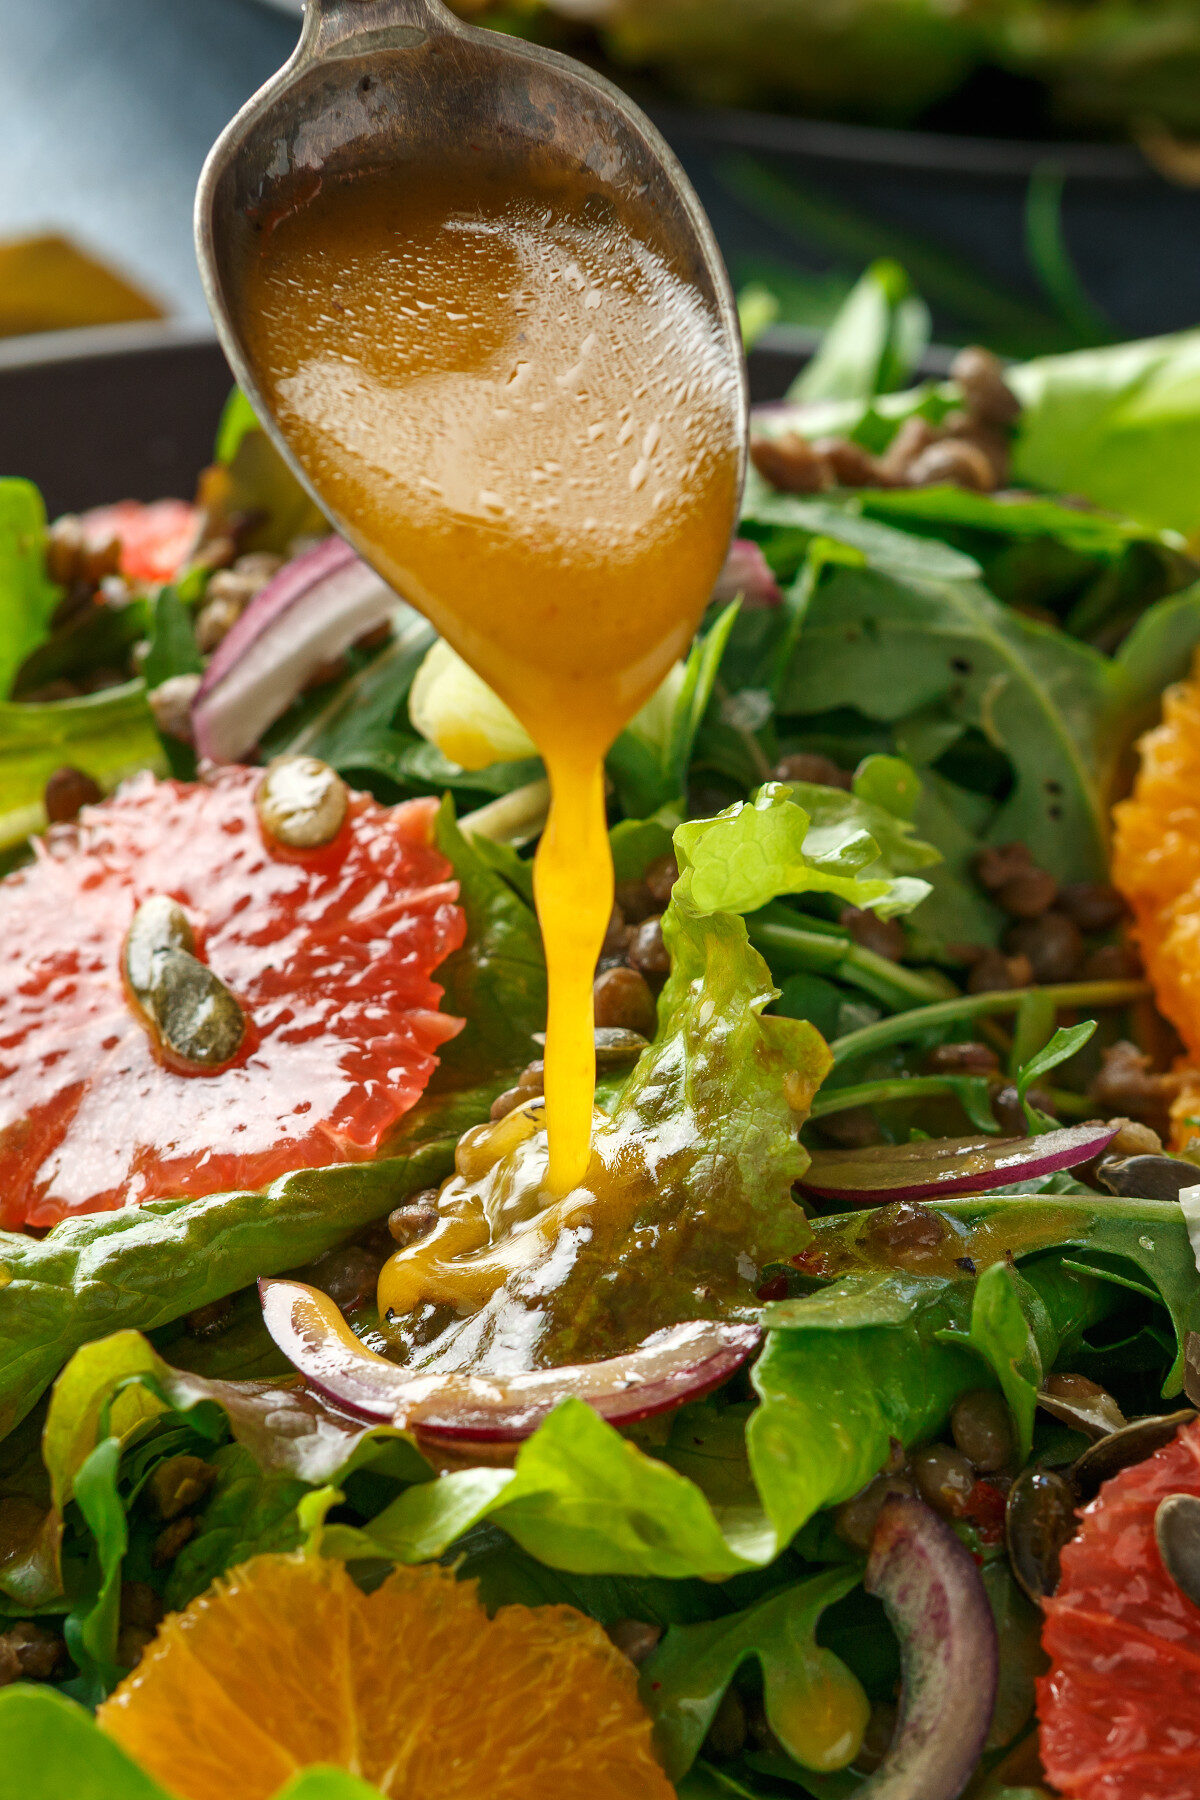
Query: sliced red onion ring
pixel 681 1363
pixel 312 610
pixel 948 1165
pixel 937 1605
pixel 747 573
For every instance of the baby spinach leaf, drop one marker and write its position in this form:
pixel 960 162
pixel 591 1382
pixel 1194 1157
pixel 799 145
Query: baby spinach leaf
pixel 897 553
pixel 683 1681
pixel 108 735
pixel 27 594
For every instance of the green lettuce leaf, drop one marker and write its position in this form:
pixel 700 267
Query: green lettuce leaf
pixel 108 735
pixel 1121 425
pixel 27 594
pixel 53 1747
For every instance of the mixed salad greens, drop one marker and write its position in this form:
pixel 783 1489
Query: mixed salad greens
pixel 904 698
pixel 1106 64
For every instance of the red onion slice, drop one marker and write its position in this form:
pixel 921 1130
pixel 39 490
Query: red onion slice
pixel 747 574
pixel 935 1600
pixel 948 1165
pixel 312 610
pixel 681 1363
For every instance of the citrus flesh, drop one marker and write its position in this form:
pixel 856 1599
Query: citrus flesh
pixel 284 1663
pixel 1156 865
pixel 1120 1708
pixel 156 538
pixel 330 953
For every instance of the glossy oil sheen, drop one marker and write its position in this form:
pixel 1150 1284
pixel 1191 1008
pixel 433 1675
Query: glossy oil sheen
pixel 527 421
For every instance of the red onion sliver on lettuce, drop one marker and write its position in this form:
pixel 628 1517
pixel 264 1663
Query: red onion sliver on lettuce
pixel 312 610
pixel 937 1605
pixel 681 1363
pixel 747 573
pixel 944 1166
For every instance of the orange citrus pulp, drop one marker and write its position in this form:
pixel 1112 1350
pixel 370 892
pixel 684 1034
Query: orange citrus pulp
pixel 284 1662
pixel 1156 865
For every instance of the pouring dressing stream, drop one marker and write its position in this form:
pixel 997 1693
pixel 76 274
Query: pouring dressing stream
pixel 480 311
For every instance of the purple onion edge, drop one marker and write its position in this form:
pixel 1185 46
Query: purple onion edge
pixel 512 1421
pixel 953 1740
pixel 1046 1164
pixel 273 601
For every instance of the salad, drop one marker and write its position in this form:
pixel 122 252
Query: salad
pixel 851 1449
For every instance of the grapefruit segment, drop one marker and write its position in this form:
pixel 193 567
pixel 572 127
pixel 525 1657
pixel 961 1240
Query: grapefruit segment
pixel 1120 1709
pixel 284 1663
pixel 330 953
pixel 156 537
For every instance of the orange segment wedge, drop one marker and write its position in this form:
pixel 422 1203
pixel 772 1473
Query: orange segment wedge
pixel 284 1662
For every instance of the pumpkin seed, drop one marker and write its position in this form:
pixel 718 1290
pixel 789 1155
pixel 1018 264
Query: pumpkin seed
pixel 198 1019
pixel 1177 1534
pixel 301 802
pixel 1146 1176
pixel 159 923
pixel 1083 1404
pixel 1121 1449
pixel 1039 1521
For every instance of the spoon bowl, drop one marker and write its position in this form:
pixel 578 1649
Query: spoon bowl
pixel 402 85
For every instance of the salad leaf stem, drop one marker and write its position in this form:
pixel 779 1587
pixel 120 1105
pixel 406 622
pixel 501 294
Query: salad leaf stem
pixel 975 1006
pixel 513 818
pixel 887 981
pixel 971 1091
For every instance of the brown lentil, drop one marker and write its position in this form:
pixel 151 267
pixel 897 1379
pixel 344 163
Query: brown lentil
pixel 618 935
pixel 414 1220
pixel 635 901
pixel 855 1519
pixel 944 1479
pixel 885 937
pixel 647 952
pixel 854 1129
pixel 848 463
pixel 982 1429
pixel 1112 962
pixel 1028 893
pixel 791 464
pixel 170 1541
pixel 1094 905
pixel 994 973
pixel 979 375
pixel 1053 945
pixel 622 998
pixel 1126 1085
pixel 999 863
pixel 171 704
pixel 141 1606
pixel 132 1643
pixel 912 439
pixel 506 1103
pixel 962 1059
pixel 953 461
pixel 67 792
pixel 29 1651
pixel 907 1227
pixel 634 1638
pixel 822 771
pixel 661 877
pixel 1133 1139
pixel 176 1485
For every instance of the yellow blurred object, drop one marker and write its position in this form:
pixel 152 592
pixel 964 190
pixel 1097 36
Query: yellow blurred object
pixel 50 284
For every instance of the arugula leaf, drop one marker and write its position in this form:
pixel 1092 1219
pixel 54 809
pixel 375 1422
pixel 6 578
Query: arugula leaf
pixel 897 553
pixel 873 345
pixel 172 641
pixel 27 594
pixel 794 839
pixel 1067 1040
pixel 108 735
pixel 805 1686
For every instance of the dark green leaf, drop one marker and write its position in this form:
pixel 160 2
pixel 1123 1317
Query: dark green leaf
pixel 172 641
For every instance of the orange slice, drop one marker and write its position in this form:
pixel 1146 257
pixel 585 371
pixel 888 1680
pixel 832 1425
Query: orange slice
pixel 284 1663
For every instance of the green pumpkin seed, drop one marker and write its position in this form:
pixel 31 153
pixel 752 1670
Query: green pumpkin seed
pixel 159 923
pixel 301 802
pixel 198 1019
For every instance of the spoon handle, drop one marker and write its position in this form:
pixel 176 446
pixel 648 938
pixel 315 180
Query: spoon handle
pixel 330 23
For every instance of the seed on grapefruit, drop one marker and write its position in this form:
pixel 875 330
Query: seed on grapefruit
pixel 1120 1708
pixel 284 1663
pixel 330 953
pixel 156 538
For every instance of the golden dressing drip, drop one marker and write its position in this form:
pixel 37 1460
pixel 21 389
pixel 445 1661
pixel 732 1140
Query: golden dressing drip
pixel 525 420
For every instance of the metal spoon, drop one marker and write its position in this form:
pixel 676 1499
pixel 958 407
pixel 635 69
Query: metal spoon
pixel 403 84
